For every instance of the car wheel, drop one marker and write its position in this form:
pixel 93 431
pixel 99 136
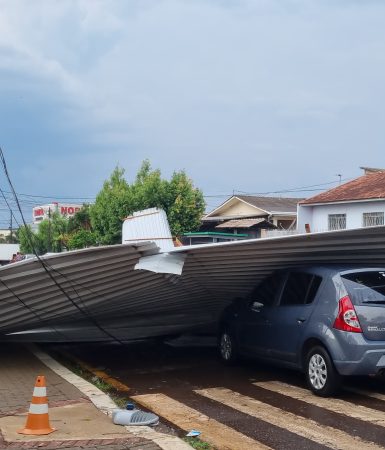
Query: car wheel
pixel 322 377
pixel 227 347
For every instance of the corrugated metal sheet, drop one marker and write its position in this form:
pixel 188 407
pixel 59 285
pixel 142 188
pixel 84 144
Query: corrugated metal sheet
pixel 148 225
pixel 234 268
pixel 131 304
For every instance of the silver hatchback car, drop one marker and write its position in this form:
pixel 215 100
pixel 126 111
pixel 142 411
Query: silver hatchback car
pixel 326 321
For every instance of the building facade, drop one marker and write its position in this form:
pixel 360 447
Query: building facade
pixel 252 216
pixel 358 203
pixel 42 212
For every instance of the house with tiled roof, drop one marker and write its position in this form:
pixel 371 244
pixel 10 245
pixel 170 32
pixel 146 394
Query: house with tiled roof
pixel 251 215
pixel 355 204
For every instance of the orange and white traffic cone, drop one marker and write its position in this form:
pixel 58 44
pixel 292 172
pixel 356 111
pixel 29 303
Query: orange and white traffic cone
pixel 38 420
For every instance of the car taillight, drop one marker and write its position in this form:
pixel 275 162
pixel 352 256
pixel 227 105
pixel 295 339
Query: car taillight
pixel 347 319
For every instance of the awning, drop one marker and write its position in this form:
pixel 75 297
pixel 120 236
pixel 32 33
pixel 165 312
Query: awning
pixel 245 223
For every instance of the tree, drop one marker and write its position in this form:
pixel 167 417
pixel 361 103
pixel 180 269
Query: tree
pixel 51 236
pixel 113 203
pixel 182 202
pixel 29 241
pixel 81 239
pixel 185 206
pixel 80 233
pixel 148 190
pixel 101 223
pixel 81 220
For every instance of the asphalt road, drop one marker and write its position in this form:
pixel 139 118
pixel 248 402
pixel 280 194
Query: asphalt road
pixel 248 406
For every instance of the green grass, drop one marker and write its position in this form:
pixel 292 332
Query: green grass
pixel 101 384
pixel 197 443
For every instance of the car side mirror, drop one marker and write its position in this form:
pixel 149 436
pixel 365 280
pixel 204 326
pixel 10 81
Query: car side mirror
pixel 256 306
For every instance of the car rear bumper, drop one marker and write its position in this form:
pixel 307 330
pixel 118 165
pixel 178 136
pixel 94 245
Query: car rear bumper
pixel 371 363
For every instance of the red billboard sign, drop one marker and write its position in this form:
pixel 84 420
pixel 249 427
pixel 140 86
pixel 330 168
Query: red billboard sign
pixel 64 210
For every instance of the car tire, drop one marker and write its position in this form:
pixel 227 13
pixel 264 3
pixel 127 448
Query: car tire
pixel 227 347
pixel 321 375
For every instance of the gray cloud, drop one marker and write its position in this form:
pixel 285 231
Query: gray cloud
pixel 248 95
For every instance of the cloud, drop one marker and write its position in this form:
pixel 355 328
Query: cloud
pixel 243 94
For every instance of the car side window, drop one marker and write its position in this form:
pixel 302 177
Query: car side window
pixel 266 292
pixel 300 289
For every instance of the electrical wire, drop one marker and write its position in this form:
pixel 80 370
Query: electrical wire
pixel 281 191
pixel 51 196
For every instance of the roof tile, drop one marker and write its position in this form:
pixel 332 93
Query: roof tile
pixel 272 204
pixel 370 186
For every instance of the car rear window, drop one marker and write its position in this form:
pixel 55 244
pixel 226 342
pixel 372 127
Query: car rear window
pixel 366 288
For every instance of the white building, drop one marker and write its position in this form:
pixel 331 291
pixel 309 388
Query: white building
pixel 7 251
pixel 42 212
pixel 358 203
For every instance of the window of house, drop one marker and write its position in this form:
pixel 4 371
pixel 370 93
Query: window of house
pixel 300 289
pixel 337 221
pixel 372 219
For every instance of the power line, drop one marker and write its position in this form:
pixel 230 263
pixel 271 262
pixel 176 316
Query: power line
pixel 47 268
pixel 299 189
pixel 51 196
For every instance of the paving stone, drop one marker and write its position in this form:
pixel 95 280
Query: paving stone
pixel 18 372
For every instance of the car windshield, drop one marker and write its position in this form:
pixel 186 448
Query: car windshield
pixel 365 288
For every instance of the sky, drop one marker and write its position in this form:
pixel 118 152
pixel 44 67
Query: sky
pixel 247 96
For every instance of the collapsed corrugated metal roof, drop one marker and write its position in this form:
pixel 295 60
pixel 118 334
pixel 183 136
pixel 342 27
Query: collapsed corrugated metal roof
pixel 97 294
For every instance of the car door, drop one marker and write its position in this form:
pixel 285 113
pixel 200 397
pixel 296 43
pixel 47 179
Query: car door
pixel 292 314
pixel 256 322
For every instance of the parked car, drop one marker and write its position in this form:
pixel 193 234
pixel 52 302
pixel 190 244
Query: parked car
pixel 326 321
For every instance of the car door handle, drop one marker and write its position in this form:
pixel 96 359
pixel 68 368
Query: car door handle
pixel 301 319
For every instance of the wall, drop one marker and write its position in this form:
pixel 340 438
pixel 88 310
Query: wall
pixel 317 216
pixel 7 250
pixel 238 208
pixel 283 222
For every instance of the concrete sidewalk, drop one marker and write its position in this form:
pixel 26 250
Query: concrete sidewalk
pixel 78 410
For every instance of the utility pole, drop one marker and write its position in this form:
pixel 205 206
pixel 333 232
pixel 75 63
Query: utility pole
pixel 11 230
pixel 49 229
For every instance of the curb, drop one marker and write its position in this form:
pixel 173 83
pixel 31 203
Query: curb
pixel 104 403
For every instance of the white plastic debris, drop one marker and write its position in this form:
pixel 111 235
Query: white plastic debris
pixel 134 417
pixel 193 433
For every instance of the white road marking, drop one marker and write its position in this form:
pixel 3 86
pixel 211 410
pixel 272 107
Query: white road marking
pixel 219 435
pixel 307 428
pixel 331 404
